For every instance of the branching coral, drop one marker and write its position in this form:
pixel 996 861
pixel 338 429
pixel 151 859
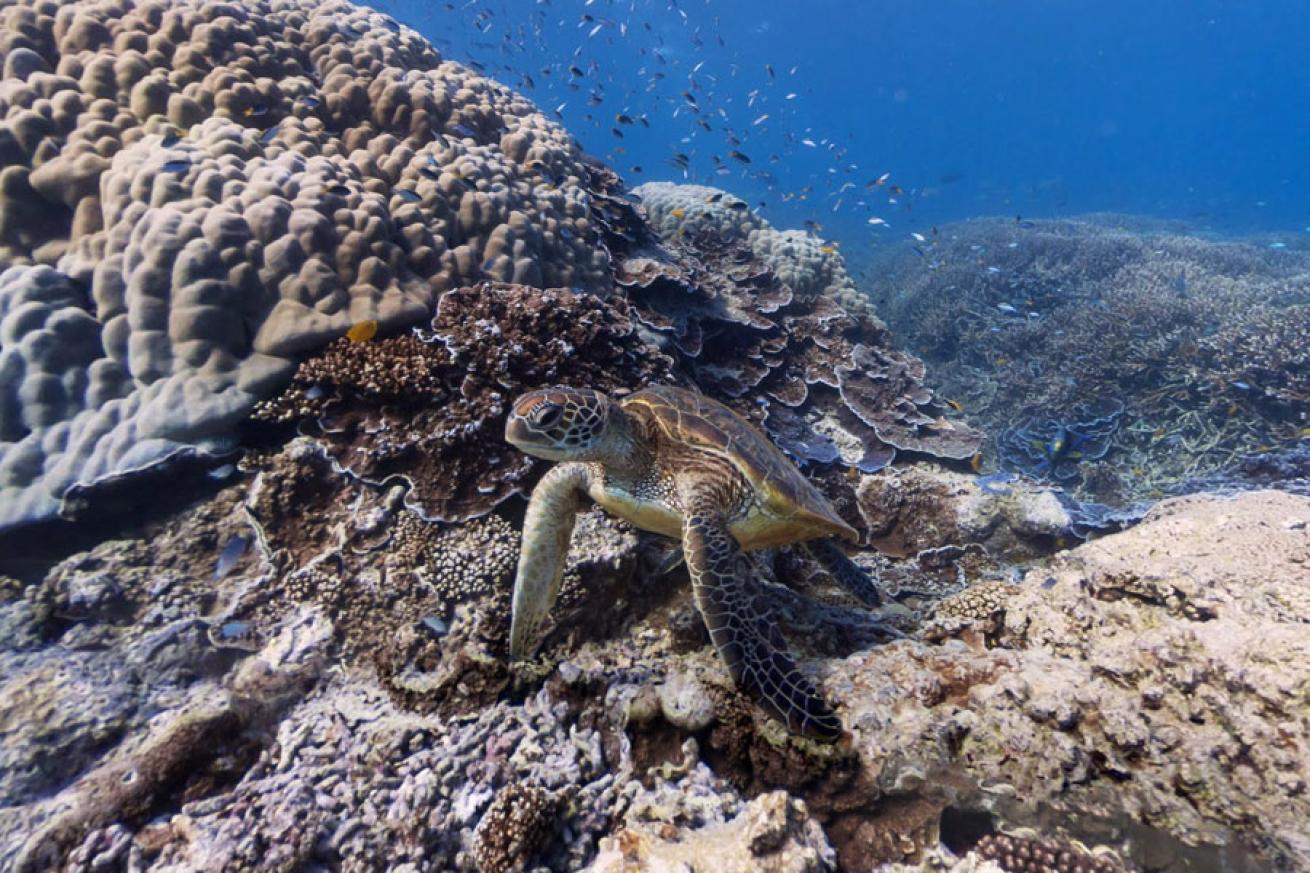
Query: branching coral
pixel 1203 342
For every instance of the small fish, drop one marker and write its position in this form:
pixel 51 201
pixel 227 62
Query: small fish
pixel 179 166
pixel 791 96
pixel 881 180
pixel 1278 245
pixel 993 270
pixel 312 102
pixel 255 111
pixel 955 404
pixel 1001 360
pixel 435 626
pixel 1005 307
pixel 464 130
pixel 738 156
pixel 340 190
pixel 763 118
pixel 233 630
pixel 918 236
pixel 678 213
pixel 269 135
pixel 218 474
pixel 1241 386
pixel 363 331
pixel 975 463
pixel 623 119
pixel 876 221
pixel 809 142
pixel 828 250
pixel 409 195
pixel 232 552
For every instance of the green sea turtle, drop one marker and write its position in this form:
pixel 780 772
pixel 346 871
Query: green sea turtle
pixel 680 464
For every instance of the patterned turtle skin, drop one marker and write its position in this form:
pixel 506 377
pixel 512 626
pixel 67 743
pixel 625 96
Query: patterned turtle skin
pixel 677 463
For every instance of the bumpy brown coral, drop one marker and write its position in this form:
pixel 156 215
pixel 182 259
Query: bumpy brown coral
pixel 1036 855
pixel 211 190
pixel 513 828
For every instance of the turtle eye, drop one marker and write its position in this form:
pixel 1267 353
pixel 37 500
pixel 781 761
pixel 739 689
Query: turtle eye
pixel 546 415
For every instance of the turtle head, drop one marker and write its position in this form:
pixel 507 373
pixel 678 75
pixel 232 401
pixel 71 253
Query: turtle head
pixel 562 424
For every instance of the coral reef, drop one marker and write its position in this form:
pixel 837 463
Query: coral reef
pixel 429 409
pixel 1204 343
pixel 774 316
pixel 194 194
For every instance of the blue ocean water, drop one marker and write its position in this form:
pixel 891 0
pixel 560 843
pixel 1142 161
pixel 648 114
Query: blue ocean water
pixel 1187 109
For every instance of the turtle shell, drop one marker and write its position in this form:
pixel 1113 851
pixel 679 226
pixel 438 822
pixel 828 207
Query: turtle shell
pixel 698 422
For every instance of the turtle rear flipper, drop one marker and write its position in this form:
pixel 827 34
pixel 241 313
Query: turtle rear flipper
pixel 845 572
pixel 748 642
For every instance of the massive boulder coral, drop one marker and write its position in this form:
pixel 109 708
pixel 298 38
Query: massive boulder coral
pixel 194 194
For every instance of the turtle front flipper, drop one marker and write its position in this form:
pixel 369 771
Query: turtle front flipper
pixel 547 528
pixel 749 643
pixel 845 572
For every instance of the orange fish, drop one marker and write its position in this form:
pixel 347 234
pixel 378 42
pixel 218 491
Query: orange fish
pixel 975 463
pixel 363 331
pixel 677 213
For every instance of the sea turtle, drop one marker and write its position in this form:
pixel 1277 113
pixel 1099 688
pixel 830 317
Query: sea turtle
pixel 679 464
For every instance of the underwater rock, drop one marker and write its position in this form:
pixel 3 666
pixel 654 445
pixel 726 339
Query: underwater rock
pixel 1149 676
pixel 910 510
pixel 192 218
pixel 772 834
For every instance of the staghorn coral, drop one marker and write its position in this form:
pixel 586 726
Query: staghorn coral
pixel 1203 342
pixel 198 193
